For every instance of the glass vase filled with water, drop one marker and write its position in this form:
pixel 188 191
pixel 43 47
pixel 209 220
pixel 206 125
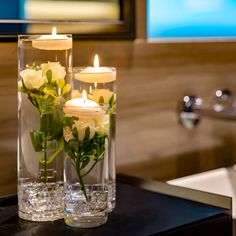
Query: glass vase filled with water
pixel 44 85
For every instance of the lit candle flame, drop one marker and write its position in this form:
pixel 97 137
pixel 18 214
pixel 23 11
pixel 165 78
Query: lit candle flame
pixel 90 89
pixel 84 96
pixel 95 85
pixel 54 31
pixel 96 61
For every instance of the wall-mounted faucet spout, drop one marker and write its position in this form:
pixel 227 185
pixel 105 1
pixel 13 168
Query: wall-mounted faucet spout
pixel 192 108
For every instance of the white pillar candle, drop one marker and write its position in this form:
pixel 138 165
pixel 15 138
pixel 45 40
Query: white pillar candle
pixel 96 74
pixel 53 41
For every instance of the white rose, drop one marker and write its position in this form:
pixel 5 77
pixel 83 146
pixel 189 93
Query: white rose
pixel 33 79
pixel 81 126
pixel 103 124
pixel 58 71
pixel 68 135
pixel 105 93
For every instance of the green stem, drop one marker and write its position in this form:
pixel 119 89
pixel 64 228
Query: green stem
pixel 55 154
pixel 33 100
pixel 52 157
pixel 81 181
pixel 45 162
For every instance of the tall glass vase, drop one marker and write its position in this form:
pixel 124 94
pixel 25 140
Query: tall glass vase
pixel 44 85
pixel 101 88
pixel 86 137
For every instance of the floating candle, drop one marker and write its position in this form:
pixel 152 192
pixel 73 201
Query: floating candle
pixel 53 41
pixel 82 107
pixel 96 74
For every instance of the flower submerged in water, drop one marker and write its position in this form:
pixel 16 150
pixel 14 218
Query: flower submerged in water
pixel 58 71
pixel 85 140
pixel 101 96
pixel 82 125
pixel 33 79
pixel 45 87
pixel 68 135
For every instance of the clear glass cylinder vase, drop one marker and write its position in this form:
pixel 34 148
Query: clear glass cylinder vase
pixel 44 84
pixel 100 84
pixel 86 138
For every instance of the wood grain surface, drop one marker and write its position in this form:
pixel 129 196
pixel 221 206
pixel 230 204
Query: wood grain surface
pixel 152 78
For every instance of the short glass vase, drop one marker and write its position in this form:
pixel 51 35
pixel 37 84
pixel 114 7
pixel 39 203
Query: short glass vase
pixel 86 137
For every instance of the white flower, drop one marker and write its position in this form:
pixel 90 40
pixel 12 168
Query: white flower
pixel 102 124
pixel 106 94
pixel 58 71
pixel 68 135
pixel 81 126
pixel 33 79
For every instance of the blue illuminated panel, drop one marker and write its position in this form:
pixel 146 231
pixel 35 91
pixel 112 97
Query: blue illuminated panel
pixel 191 18
pixel 9 9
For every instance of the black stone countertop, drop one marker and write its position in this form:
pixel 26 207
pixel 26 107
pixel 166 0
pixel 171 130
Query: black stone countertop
pixel 139 211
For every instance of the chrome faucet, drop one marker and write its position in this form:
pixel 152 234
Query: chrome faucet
pixel 192 108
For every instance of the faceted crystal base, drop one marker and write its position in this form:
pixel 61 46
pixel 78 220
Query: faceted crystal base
pixel 40 201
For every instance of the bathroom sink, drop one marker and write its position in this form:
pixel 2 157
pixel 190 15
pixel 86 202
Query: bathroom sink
pixel 219 181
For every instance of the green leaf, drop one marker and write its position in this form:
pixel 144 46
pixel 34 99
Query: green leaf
pixel 66 89
pixel 68 121
pixel 37 139
pixel 89 145
pixel 85 161
pixel 99 135
pixel 101 100
pixel 22 90
pixel 49 75
pixel 91 152
pixel 75 132
pixel 23 83
pixel 49 85
pixel 36 91
pixel 87 133
pixel 74 145
pixel 60 83
pixel 46 106
pixel 112 100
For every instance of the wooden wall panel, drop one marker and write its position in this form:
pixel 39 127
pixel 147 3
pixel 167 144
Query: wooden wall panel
pixel 152 77
pixel 8 118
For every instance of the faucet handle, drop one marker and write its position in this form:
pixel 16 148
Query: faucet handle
pixel 223 99
pixel 191 102
pixel 192 108
pixel 223 94
pixel 188 117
